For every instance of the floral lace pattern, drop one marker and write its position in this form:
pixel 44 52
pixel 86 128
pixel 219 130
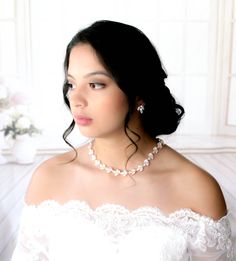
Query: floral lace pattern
pixel 117 232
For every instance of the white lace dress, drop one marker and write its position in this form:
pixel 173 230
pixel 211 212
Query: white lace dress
pixel 75 232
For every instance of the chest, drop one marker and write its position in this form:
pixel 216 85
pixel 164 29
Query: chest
pixel 97 188
pixel 130 193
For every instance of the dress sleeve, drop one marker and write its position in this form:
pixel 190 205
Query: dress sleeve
pixel 211 240
pixel 32 241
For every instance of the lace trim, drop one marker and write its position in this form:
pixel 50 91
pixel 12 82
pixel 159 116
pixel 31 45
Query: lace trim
pixel 78 204
pixel 116 221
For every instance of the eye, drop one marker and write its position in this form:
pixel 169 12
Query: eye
pixel 70 86
pixel 96 85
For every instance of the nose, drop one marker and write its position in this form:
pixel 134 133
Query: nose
pixel 76 97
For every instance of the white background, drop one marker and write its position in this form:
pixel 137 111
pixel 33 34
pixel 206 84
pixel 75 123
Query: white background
pixel 196 40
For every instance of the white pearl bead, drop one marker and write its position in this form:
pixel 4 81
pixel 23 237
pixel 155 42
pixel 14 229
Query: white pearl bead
pixel 124 172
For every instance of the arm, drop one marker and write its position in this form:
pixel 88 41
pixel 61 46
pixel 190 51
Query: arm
pixel 211 237
pixel 211 240
pixel 32 239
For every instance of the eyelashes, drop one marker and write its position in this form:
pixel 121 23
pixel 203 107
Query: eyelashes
pixel 69 85
pixel 96 85
pixel 93 85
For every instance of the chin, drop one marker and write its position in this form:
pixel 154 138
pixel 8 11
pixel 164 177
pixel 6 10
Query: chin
pixel 89 133
pixel 93 132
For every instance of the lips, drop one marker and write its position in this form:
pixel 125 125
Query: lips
pixel 82 120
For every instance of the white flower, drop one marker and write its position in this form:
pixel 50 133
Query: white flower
pixel 23 123
pixel 3 92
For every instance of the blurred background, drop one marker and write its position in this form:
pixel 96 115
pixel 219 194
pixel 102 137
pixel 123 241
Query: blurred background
pixel 196 40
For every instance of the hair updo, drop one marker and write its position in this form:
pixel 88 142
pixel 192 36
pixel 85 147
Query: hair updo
pixel 132 60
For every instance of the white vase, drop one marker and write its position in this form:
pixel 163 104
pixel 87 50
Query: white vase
pixel 23 149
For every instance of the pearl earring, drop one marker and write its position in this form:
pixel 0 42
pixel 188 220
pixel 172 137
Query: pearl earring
pixel 141 108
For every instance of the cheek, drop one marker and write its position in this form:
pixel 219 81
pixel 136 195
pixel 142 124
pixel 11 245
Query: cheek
pixel 118 107
pixel 115 108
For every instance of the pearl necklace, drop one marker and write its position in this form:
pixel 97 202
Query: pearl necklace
pixel 124 172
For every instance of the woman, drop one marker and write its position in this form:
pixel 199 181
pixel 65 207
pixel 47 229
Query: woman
pixel 124 195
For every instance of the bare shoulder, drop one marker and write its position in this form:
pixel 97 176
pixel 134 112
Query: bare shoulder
pixel 197 188
pixel 46 176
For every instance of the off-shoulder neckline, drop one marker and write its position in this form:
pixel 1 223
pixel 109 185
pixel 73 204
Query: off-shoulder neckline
pixel 122 208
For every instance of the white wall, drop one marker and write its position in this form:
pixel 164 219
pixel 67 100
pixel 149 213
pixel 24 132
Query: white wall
pixel 190 36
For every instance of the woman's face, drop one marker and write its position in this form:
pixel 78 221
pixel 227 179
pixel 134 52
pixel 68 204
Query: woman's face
pixel 97 104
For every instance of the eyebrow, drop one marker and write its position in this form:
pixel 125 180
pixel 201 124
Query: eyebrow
pixel 93 73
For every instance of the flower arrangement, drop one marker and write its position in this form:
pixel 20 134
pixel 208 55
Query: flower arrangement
pixel 14 117
pixel 16 122
pixel 19 124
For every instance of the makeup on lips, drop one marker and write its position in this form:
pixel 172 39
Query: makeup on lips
pixel 82 120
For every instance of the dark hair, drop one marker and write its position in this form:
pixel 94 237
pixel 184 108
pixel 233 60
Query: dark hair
pixel 132 60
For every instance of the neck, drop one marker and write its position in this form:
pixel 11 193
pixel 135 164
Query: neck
pixel 115 151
